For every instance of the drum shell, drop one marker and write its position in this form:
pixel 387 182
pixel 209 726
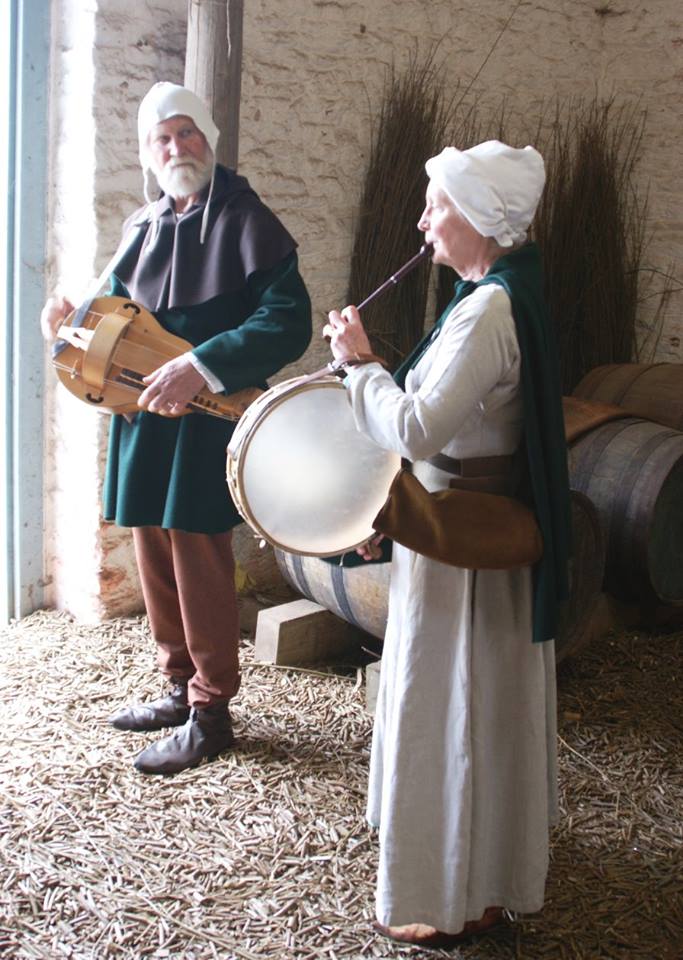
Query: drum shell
pixel 632 470
pixel 651 391
pixel 360 595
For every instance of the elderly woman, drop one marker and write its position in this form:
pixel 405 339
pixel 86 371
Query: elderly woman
pixel 463 766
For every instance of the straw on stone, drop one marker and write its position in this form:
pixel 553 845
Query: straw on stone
pixel 265 852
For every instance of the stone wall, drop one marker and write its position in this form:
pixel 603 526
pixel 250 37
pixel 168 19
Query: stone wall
pixel 313 74
pixel 104 58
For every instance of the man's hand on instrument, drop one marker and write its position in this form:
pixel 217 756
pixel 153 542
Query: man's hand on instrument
pixel 370 550
pixel 346 334
pixel 171 387
pixel 53 315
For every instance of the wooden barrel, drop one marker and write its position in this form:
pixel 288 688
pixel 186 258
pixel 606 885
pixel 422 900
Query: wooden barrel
pixel 632 470
pixel 586 573
pixel 652 391
pixel 360 595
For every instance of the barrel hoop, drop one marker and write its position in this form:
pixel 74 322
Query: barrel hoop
pixel 340 593
pixel 300 576
pixel 593 446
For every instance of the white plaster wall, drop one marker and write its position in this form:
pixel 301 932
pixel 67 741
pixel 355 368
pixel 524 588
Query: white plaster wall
pixel 313 72
pixel 105 56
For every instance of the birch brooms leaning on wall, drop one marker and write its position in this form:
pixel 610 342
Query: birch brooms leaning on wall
pixel 625 445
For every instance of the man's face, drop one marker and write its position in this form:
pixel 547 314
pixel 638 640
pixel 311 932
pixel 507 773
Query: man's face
pixel 180 157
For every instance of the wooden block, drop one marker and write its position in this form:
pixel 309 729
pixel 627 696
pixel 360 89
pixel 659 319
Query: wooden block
pixel 372 685
pixel 302 632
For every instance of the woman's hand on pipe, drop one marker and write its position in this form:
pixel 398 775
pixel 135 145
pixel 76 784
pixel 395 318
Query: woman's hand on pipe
pixel 346 334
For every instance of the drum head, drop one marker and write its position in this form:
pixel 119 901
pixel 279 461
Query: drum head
pixel 310 482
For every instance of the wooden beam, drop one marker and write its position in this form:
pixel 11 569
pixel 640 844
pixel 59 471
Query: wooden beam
pixel 302 632
pixel 213 66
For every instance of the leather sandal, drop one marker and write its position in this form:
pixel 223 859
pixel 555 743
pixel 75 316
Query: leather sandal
pixel 438 940
pixel 170 711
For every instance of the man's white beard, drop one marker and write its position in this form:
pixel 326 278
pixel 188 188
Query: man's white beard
pixel 182 177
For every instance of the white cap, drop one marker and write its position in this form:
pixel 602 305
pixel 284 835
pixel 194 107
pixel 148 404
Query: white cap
pixel 496 187
pixel 166 100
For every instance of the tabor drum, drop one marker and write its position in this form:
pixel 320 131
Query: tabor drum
pixel 301 474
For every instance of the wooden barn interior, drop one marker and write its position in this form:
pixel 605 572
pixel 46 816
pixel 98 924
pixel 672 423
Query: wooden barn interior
pixel 330 108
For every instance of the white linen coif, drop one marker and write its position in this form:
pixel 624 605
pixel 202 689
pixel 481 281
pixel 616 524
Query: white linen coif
pixel 163 101
pixel 495 187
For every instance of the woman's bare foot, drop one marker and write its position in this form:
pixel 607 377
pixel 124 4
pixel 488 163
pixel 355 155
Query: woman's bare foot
pixel 422 935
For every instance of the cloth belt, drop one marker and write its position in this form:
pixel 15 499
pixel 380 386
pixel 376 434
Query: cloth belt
pixel 482 474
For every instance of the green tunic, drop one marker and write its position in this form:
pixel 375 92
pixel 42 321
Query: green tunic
pixel 171 472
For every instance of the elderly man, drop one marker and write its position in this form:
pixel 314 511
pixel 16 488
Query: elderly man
pixel 218 269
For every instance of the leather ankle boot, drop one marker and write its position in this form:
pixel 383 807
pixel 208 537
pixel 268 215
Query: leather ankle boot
pixel 169 711
pixel 206 734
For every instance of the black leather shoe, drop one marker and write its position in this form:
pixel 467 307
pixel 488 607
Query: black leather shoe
pixel 206 734
pixel 169 711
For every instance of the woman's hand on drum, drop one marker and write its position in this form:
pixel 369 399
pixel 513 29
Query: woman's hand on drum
pixel 370 550
pixel 171 387
pixel 346 334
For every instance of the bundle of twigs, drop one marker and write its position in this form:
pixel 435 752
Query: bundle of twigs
pixel 412 122
pixel 590 227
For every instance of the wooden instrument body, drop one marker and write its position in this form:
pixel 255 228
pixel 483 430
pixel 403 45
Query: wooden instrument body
pixel 116 345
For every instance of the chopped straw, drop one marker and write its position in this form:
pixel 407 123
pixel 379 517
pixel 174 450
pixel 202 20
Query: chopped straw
pixel 265 851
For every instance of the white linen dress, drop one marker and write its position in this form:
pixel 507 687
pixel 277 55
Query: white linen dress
pixel 463 770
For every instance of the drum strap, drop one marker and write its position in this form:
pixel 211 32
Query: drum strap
pixel 338 367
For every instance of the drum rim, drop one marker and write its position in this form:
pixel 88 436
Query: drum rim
pixel 235 468
pixel 261 407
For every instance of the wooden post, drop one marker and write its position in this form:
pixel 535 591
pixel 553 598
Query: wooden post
pixel 213 66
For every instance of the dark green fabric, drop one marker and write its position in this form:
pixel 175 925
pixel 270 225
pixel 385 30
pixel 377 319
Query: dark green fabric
pixel 171 472
pixel 520 274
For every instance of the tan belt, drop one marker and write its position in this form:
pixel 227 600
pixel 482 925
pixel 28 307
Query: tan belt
pixel 473 466
pixel 483 474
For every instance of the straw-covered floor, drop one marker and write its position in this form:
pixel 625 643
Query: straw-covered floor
pixel 265 853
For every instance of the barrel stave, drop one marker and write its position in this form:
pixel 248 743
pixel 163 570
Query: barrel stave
pixel 652 391
pixel 632 470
